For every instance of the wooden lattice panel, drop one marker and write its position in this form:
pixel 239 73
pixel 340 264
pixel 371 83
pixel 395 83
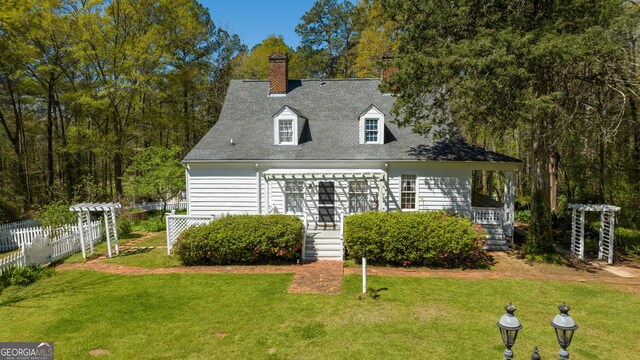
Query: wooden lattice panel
pixel 176 224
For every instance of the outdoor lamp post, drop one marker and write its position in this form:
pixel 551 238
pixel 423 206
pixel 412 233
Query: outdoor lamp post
pixel 565 327
pixel 509 326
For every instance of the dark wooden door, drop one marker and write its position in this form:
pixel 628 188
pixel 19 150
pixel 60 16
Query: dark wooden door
pixel 326 202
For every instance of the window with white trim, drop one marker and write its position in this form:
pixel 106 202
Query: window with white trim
pixel 285 130
pixel 294 196
pixel 408 191
pixel 371 130
pixel 358 196
pixel 371 126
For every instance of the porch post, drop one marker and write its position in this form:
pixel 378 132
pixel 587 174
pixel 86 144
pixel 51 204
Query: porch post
pixel 259 189
pixel 508 206
pixel 385 184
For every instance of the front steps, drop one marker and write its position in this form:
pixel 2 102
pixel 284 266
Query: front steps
pixel 323 245
pixel 496 239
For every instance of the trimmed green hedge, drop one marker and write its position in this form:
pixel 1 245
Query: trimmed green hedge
pixel 436 239
pixel 242 239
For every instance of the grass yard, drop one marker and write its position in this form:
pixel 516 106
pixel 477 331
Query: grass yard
pixel 145 257
pixel 204 316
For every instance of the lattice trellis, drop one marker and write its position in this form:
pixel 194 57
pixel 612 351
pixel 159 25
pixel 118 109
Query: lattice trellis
pixel 607 223
pixel 176 224
pixel 84 217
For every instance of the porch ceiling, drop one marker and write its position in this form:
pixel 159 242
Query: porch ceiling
pixel 319 174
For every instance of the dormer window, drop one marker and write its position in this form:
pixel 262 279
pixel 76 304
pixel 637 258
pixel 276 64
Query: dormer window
pixel 287 126
pixel 286 131
pixel 370 130
pixel 372 126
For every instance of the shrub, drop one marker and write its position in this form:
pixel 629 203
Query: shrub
pixel 124 226
pixel 522 215
pixel 539 240
pixel 23 275
pixel 242 239
pixel 437 239
pixel 56 214
pixel 154 224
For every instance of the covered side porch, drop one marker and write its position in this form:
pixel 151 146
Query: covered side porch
pixel 492 205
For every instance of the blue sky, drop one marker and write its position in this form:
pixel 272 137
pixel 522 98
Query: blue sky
pixel 254 20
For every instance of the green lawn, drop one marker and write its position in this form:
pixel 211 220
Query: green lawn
pixel 145 257
pixel 158 239
pixel 204 316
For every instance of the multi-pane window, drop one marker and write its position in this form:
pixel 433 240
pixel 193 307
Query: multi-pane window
pixel 294 196
pixel 358 196
pixel 371 130
pixel 408 191
pixel 285 128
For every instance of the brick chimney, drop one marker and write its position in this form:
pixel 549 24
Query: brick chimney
pixel 388 67
pixel 278 73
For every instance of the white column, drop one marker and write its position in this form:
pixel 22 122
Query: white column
pixel 582 235
pixel 259 190
pixel 81 231
pixel 612 222
pixel 88 221
pixel 115 229
pixel 509 200
pixel 106 229
pixel 601 241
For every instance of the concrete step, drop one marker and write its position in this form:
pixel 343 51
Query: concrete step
pixel 323 247
pixel 322 255
pixel 497 247
pixel 323 234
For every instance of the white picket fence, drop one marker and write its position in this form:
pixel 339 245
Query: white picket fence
pixel 45 246
pixel 7 231
pixel 14 259
pixel 182 205
pixel 176 224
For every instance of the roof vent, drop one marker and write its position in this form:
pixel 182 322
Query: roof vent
pixel 231 142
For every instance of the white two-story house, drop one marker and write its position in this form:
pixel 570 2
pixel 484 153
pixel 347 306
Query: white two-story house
pixel 324 149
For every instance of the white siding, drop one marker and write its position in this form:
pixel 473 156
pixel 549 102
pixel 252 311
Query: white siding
pixel 217 190
pixel 438 186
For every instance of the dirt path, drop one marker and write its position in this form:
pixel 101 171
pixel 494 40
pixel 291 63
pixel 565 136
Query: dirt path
pixel 326 277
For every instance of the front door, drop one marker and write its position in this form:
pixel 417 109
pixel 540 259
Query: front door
pixel 326 202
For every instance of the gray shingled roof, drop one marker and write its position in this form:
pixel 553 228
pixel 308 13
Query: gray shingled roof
pixel 332 108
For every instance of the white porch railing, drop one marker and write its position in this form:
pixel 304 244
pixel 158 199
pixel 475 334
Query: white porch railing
pixel 182 205
pixel 176 224
pixel 487 216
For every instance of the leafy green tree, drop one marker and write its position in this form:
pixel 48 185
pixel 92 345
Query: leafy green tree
pixel 376 35
pixel 327 38
pixel 503 64
pixel 255 64
pixel 156 172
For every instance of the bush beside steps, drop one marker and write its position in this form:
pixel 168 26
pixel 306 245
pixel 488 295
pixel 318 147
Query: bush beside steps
pixel 435 239
pixel 242 239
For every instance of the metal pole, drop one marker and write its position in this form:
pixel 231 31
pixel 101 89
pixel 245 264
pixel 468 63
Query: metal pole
pixel 364 270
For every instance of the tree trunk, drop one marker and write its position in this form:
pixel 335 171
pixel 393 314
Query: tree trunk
pixel 539 239
pixel 117 172
pixel 50 163
pixel 601 169
pixel 553 180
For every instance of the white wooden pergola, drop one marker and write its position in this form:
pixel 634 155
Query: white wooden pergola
pixel 607 223
pixel 84 218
